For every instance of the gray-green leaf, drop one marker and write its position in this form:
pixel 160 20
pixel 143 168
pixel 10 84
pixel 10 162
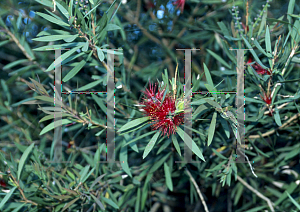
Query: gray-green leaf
pixel 23 159
pixel 151 144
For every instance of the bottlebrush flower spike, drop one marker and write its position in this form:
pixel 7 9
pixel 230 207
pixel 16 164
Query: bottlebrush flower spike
pixel 2 183
pixel 180 3
pixel 258 68
pixel 161 111
pixel 267 99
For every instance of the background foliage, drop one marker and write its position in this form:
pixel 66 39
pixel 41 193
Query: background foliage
pixel 149 34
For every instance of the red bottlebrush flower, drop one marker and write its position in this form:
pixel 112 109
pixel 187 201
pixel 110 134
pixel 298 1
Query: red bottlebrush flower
pixel 161 112
pixel 2 183
pixel 267 99
pixel 258 68
pixel 261 70
pixel 179 3
pixel 71 144
pixel 250 60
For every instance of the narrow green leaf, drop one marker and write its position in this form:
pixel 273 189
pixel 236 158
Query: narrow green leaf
pixel 74 71
pixel 211 130
pixel 139 137
pixel 223 28
pixel 18 208
pixel 151 144
pixel 64 57
pixel 98 202
pixel 88 159
pixel 96 181
pixel 2 43
pixel 47 3
pixel 211 90
pixel 59 46
pixel 213 103
pixel 45 98
pixel 100 53
pixel 158 164
pixel 13 64
pixel 208 76
pixel 102 23
pixel 69 204
pixel 225 127
pixel 189 141
pixel 93 8
pixel 133 123
pixel 71 175
pixel 112 27
pixel 254 54
pixel 248 99
pixel 63 10
pixel 238 193
pixel 219 154
pixel 88 175
pixel 23 159
pixel 86 46
pixel 268 41
pixel 70 8
pixel 293 201
pixel 52 19
pixel 83 172
pixel 168 176
pixel 7 197
pixel 277 117
pixel 262 22
pixel 40 86
pixel 138 201
pixel 53 32
pixel 90 85
pixel 175 142
pixel 217 57
pixel 51 125
pixel 124 158
pixel 71 38
pixel 110 202
pixel 260 48
pixel 290 11
pixel 99 101
pixel 289 190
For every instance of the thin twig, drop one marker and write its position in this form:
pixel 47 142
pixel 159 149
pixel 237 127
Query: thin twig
pixel 288 60
pixel 273 131
pixel 198 190
pixel 270 203
pixel 93 24
pixel 249 164
pixel 138 10
pixel 279 107
pixel 19 44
